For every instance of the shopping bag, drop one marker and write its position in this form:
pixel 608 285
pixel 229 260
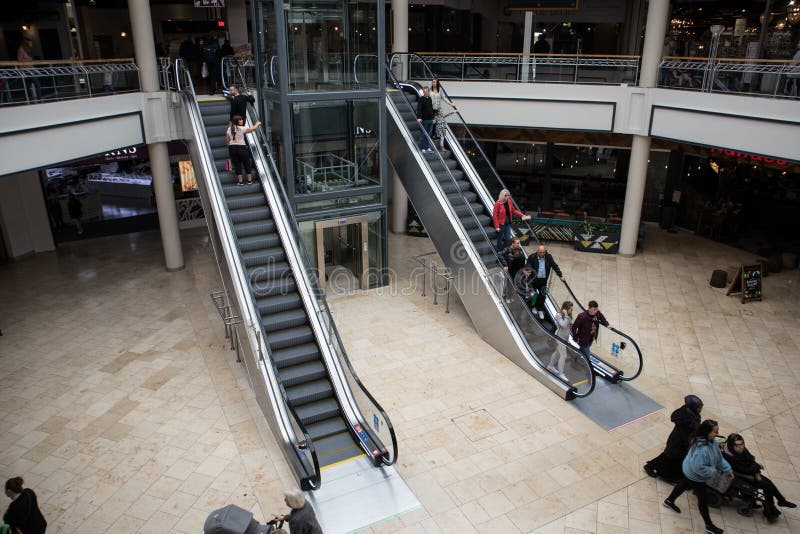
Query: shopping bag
pixel 721 481
pixel 204 71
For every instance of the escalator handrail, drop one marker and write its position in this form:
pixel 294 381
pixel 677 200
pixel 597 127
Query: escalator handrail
pixel 262 149
pixel 499 180
pixel 236 259
pixel 399 85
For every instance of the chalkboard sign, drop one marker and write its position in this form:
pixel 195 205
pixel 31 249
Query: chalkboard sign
pixel 747 281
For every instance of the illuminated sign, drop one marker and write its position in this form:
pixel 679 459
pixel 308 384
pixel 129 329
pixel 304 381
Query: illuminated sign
pixel 209 3
pixel 751 157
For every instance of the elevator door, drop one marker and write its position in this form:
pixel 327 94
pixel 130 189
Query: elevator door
pixel 342 254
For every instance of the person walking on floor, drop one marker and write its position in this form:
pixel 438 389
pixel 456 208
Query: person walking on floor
pixel 586 327
pixel 237 148
pixel 502 215
pixel 667 465
pixel 425 116
pixel 302 519
pixel 23 513
pixel 541 263
pixel 744 463
pixel 702 463
pixel 563 325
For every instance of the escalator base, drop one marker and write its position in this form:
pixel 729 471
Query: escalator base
pixel 614 405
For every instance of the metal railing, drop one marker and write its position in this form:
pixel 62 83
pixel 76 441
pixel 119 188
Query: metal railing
pixel 381 424
pixel 436 271
pixel 759 77
pixel 46 81
pixel 542 68
pixel 494 184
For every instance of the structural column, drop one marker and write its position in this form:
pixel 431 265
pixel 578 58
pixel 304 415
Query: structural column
pixel 657 15
pixel 400 44
pixel 144 47
pixel 236 20
pixel 526 46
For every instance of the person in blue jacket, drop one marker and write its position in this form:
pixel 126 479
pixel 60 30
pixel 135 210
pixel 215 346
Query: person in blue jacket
pixel 701 464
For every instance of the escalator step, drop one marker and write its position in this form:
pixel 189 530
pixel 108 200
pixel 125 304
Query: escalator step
pixel 260 241
pixel 217 142
pixel 437 166
pixel 309 392
pixel 253 214
pixel 455 198
pixel 233 189
pixel 274 322
pixel 278 303
pixel 282 286
pixel 220 153
pixel 268 272
pixel 215 118
pixel 293 355
pixel 449 187
pixel 266 257
pixel 305 372
pixel 289 338
pixel 216 107
pixel 336 448
pixel 254 228
pixel 317 411
pixel 326 427
pixel 214 132
pixel 249 200
pixel 226 177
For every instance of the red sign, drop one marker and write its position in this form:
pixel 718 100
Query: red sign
pixel 751 157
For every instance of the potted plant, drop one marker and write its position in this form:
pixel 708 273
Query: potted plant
pixel 596 237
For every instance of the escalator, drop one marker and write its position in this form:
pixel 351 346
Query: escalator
pixel 461 229
pixel 303 380
pixel 467 157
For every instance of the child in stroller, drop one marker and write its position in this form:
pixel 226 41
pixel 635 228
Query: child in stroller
pixel 749 484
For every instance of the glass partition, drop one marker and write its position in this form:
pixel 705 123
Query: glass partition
pixel 335 145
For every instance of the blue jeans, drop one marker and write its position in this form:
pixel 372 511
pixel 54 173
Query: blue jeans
pixel 423 139
pixel 503 236
pixel 587 350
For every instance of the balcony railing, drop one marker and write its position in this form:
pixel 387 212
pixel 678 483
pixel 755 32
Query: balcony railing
pixel 762 77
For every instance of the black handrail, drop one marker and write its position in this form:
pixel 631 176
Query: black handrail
pixel 399 85
pixel 315 481
pixel 319 294
pixel 503 186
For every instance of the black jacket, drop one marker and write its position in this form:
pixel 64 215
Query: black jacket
pixel 744 463
pixel 514 259
pixel 23 513
pixel 303 520
pixel 425 108
pixel 686 422
pixel 239 104
pixel 524 284
pixel 549 263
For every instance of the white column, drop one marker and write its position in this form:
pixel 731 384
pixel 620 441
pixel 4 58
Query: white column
pixel 236 23
pixel 144 46
pixel 526 45
pixel 657 14
pixel 400 44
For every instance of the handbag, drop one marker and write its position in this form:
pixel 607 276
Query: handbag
pixel 204 70
pixel 228 165
pixel 720 482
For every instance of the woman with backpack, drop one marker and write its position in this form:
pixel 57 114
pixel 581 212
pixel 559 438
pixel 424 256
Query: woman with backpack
pixel 702 464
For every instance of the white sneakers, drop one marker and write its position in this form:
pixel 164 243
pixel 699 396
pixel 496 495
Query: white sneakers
pixel 540 313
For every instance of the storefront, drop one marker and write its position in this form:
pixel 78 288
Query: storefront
pixel 113 193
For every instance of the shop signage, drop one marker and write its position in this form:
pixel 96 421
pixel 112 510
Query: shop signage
pixel 747 281
pixel 751 157
pixel 209 3
pixel 122 154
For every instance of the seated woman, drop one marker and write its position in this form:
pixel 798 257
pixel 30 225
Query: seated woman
pixel 744 463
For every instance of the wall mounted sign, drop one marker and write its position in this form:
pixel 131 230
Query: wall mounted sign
pixel 751 157
pixel 209 3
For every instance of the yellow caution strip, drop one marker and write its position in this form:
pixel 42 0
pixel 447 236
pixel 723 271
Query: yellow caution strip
pixel 341 461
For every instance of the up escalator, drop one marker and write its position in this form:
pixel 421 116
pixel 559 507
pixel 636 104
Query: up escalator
pixel 305 385
pixel 295 351
pixel 460 227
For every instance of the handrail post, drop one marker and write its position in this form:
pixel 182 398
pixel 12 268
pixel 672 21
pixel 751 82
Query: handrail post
pixel 577 60
pixel 434 274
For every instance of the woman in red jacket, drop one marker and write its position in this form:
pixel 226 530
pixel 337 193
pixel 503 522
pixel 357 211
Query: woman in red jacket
pixel 502 214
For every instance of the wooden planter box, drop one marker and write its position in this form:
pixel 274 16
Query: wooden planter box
pixel 606 242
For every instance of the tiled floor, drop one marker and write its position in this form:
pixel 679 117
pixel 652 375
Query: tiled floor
pixel 125 411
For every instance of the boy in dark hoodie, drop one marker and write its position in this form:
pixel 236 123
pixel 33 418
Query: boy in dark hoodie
pixel 667 465
pixel 744 463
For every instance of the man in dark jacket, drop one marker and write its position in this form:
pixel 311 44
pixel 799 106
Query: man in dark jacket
pixel 744 463
pixel 667 465
pixel 425 116
pixel 512 257
pixel 211 56
pixel 239 102
pixel 541 263
pixel 586 327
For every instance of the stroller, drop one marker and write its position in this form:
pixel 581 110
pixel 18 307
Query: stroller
pixel 742 490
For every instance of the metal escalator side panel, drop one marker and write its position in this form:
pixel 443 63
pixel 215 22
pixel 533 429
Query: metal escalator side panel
pixel 356 422
pixel 263 381
pixel 445 230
